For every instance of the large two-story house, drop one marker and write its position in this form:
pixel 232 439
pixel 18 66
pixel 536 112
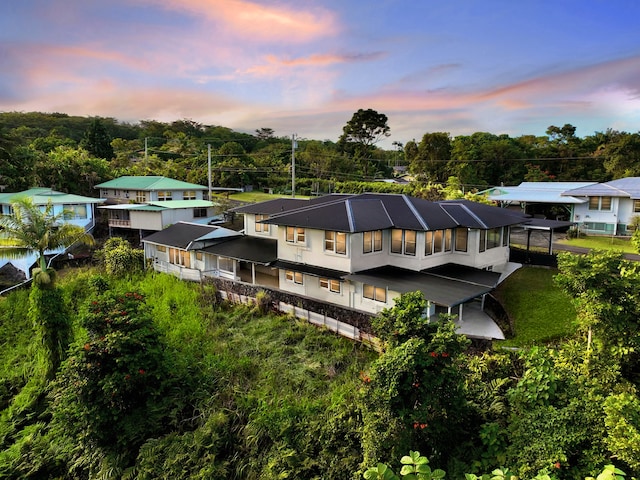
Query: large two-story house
pixel 152 203
pixel 363 251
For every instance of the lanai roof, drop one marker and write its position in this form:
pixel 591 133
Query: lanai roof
pixel 148 183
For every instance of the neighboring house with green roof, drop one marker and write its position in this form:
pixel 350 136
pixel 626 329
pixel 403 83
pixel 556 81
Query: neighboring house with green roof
pixel 79 210
pixel 151 203
pixel 152 188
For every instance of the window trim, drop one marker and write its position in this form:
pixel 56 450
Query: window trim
pixel 457 247
pixel 403 242
pixel 329 284
pixel 333 240
pixel 261 227
pixel 294 277
pixel 596 203
pixel 374 293
pixel 295 235
pixel 374 243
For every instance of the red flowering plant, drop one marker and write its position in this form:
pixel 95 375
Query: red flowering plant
pixel 114 374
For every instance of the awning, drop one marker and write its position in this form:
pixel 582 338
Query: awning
pixel 248 249
pixel 310 269
pixel 439 287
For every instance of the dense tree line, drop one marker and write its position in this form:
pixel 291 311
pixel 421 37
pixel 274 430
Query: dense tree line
pixel 74 153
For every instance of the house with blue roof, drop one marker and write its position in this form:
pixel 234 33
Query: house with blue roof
pixel 607 208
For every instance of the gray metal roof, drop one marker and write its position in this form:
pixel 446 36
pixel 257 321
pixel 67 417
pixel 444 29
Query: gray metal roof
pixel 250 249
pixel 539 192
pixel 310 269
pixel 369 211
pixel 622 187
pixel 440 287
pixel 180 234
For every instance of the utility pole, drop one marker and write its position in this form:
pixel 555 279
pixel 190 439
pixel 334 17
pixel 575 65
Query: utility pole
pixel 146 148
pixel 209 168
pixel 294 145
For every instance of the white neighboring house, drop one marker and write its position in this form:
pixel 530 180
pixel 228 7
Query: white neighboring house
pixel 80 211
pixel 607 208
pixel 179 250
pixel 152 203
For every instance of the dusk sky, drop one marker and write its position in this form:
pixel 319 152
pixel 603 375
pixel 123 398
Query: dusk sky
pixel 304 67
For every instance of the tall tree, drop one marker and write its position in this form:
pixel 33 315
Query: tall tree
pixel 361 133
pixel 433 153
pixel 97 140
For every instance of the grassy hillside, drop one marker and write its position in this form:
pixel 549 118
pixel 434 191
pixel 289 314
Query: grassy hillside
pixel 540 310
pixel 250 395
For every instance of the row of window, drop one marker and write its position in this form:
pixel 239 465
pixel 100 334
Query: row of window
pixel 164 195
pixel 181 257
pixel 405 241
pixel 371 292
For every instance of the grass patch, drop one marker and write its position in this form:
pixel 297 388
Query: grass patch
pixel 600 243
pixel 540 310
pixel 254 197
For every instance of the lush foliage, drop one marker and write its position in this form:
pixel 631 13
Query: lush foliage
pixel 120 258
pixel 232 393
pixel 73 154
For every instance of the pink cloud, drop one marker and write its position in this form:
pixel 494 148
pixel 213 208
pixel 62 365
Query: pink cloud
pixel 278 66
pixel 255 21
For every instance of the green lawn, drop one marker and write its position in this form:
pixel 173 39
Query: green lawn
pixel 541 311
pixel 601 243
pixel 253 197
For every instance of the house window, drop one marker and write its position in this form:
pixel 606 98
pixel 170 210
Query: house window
pixel 141 196
pixel 330 284
pixel 179 257
pixel 372 292
pixel 462 238
pixel 226 264
pixel 335 242
pixel 161 248
pixel 164 196
pixel 261 227
pixel 199 212
pixel 599 203
pixel 72 212
pixel 437 240
pixel 482 243
pixel 295 277
pixel 372 241
pixel 199 256
pixel 636 206
pixel 295 235
pixel 403 241
pixel 493 237
pixel 189 195
pixel 428 243
pixel 447 239
pixel 104 193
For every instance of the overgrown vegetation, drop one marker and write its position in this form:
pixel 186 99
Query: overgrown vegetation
pixel 160 381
